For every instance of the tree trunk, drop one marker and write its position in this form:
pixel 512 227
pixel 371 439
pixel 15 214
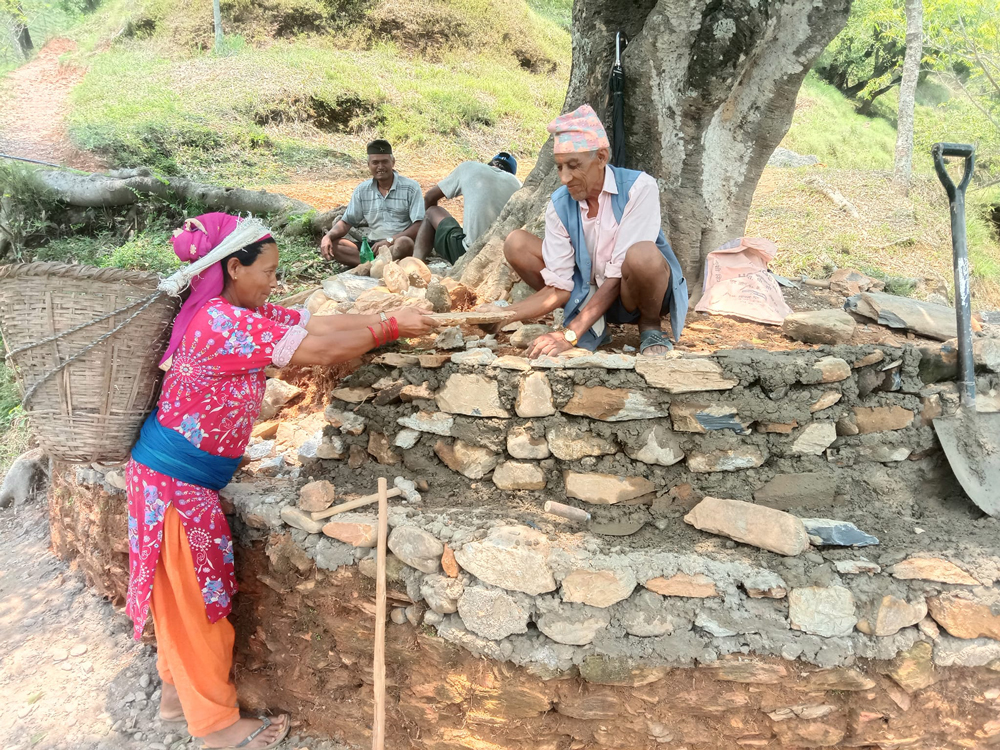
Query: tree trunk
pixel 907 94
pixel 22 33
pixel 217 10
pixel 710 90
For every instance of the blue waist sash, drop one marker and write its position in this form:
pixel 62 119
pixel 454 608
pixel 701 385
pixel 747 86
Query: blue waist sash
pixel 168 452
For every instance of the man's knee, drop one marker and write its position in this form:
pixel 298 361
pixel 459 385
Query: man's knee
pixel 516 243
pixel 435 215
pixel 645 260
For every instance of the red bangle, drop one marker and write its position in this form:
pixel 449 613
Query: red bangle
pixel 394 328
pixel 372 331
pixel 385 332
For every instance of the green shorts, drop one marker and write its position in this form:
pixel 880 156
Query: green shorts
pixel 449 240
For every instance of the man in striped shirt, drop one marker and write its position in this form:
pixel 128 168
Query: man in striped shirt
pixel 390 205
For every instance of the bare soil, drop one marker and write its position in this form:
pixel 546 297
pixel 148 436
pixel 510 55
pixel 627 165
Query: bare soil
pixel 35 106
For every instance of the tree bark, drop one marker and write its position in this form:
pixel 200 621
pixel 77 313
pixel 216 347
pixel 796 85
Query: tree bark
pixel 907 94
pixel 217 11
pixel 710 91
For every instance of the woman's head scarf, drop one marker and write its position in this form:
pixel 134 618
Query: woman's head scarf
pixel 194 240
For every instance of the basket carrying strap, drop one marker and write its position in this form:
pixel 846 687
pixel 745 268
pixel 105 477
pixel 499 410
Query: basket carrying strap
pixel 141 304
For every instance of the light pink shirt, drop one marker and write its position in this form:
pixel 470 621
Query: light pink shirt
pixel 607 241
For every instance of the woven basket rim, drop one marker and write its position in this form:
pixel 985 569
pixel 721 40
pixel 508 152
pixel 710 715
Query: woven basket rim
pixel 79 271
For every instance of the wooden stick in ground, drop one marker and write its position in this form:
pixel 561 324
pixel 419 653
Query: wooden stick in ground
pixel 378 725
pixel 319 515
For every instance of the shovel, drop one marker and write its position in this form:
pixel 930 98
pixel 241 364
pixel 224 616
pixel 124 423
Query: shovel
pixel 971 441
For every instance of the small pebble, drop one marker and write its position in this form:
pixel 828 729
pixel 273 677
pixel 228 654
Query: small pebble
pixel 918 530
pixel 730 545
pixel 398 615
pixel 60 654
pixel 67 667
pixel 169 739
pixel 87 667
pixel 78 650
pixel 144 681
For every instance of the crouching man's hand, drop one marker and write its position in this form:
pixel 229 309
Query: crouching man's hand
pixel 548 345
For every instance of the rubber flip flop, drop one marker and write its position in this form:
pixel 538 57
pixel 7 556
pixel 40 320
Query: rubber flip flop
pixel 653 337
pixel 256 733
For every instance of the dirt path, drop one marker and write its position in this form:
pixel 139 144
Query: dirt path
pixel 71 677
pixel 34 123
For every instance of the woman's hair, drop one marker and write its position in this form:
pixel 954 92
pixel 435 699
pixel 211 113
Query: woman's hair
pixel 246 255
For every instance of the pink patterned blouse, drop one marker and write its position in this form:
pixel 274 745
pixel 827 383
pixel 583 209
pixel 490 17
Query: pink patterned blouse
pixel 211 395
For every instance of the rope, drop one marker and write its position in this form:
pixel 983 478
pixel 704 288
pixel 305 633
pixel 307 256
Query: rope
pixel 31 391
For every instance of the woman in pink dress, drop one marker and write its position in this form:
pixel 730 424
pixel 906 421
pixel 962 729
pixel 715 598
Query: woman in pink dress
pixel 180 546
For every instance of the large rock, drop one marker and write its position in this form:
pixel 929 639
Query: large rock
pixel 534 396
pixel 468 460
pixel 743 457
pixel 881 418
pixel 436 422
pixel 605 489
pixel 491 613
pixel 806 490
pixel 511 557
pixel 598 588
pixel 827 370
pixel 814 438
pixel 381 448
pixel 959 652
pixel 645 616
pixel 703 418
pixel 570 442
pixel 820 326
pixel 522 444
pixel 574 625
pixel 826 611
pixel 677 373
pixel 441 593
pixel 512 475
pixel 891 614
pixel 697 586
pixel 299 519
pixel 358 531
pixel 316 496
pixel 913 670
pixel 658 446
pixel 24 479
pixel 523 336
pixel 931 569
pixel 417 548
pixel 277 393
pixel 762 527
pixel 612 404
pixel 963 617
pixel 472 395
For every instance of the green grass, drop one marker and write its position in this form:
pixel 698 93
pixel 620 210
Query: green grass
pixel 256 114
pixel 826 125
pixel 557 11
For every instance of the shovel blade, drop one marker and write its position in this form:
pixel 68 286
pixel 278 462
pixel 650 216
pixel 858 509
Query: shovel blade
pixel 972 444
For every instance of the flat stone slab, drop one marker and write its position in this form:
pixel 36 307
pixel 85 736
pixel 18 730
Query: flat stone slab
pixel 837 533
pixel 471 318
pixel 756 525
pixel 676 374
pixel 617 528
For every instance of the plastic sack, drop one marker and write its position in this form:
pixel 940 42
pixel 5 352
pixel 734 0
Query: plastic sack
pixel 737 282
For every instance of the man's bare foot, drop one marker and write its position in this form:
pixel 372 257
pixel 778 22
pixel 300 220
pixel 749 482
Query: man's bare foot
pixel 236 733
pixel 170 703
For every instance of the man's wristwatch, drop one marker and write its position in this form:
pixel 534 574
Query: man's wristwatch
pixel 570 336
pixel 389 240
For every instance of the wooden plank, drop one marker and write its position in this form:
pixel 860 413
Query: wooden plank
pixel 378 678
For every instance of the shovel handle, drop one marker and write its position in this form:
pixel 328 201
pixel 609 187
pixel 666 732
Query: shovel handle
pixel 963 150
pixel 960 258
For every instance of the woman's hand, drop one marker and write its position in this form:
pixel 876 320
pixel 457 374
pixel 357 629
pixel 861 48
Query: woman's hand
pixel 413 322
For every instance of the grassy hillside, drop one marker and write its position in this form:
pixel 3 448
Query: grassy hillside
pixel 893 235
pixel 458 79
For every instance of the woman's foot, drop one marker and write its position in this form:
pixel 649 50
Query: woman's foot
pixel 236 733
pixel 170 703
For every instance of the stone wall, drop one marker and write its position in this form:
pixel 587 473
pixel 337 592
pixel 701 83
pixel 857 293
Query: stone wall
pixel 515 628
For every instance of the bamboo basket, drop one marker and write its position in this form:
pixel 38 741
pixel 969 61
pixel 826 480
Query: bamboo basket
pixel 85 344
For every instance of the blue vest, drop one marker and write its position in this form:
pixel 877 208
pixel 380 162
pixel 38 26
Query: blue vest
pixel 568 211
